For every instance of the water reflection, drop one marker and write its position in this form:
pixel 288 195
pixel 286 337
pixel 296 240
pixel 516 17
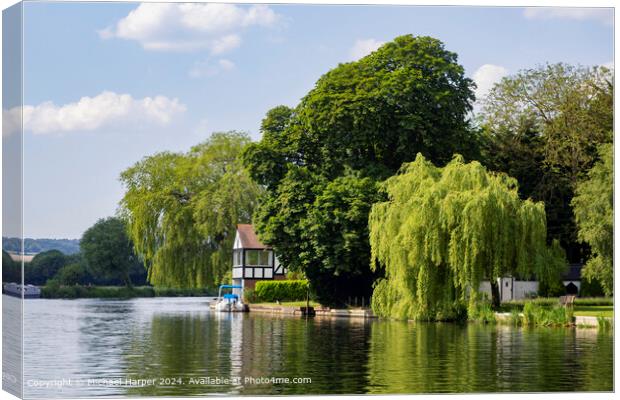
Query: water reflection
pixel 175 340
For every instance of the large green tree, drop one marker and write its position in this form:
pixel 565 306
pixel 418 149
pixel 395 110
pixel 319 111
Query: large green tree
pixel 44 266
pixel 182 209
pixel 362 120
pixel 108 251
pixel 543 126
pixel 594 213
pixel 444 230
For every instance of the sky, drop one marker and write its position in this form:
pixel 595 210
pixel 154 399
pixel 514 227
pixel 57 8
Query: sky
pixel 106 84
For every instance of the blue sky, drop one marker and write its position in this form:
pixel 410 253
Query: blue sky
pixel 107 84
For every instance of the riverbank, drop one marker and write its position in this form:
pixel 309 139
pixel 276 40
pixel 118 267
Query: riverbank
pixel 569 317
pixel 119 292
pixel 315 309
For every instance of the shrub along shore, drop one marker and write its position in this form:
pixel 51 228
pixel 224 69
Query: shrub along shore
pixel 547 312
pixel 119 292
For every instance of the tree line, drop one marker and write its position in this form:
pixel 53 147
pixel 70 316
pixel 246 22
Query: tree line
pixel 106 258
pixel 453 198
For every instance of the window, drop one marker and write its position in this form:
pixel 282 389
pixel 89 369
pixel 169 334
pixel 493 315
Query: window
pixel 258 257
pixel 238 257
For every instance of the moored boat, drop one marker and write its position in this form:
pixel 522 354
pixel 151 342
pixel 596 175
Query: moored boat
pixel 230 302
pixel 25 291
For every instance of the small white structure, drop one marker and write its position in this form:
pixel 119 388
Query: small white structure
pixel 511 289
pixel 253 261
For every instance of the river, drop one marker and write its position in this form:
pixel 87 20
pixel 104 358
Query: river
pixel 178 347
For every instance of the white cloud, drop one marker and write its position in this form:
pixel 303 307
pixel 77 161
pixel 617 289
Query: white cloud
pixel 485 77
pixel 189 26
pixel 603 15
pixel 206 68
pixel 363 47
pixel 91 113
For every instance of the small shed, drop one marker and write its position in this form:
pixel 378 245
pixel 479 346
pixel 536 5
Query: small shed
pixel 252 260
pixel 572 279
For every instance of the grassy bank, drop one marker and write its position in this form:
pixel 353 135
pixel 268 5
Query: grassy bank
pixel 594 311
pixel 118 292
pixel 544 311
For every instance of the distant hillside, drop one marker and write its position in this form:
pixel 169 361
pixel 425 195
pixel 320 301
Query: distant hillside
pixel 33 246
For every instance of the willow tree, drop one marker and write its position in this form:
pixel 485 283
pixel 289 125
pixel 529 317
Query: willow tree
pixel 444 230
pixel 594 213
pixel 182 210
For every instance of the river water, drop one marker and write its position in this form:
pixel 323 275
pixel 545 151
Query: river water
pixel 178 347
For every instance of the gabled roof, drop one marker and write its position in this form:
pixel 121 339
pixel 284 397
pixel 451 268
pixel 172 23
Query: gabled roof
pixel 248 238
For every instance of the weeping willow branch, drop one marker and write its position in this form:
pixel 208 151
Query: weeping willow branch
pixel 182 209
pixel 444 230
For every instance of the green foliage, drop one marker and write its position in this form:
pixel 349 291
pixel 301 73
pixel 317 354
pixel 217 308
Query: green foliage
pixel 594 213
pixel 44 266
pixel 269 291
pixel 182 210
pixel 249 296
pixel 551 302
pixel 515 318
pixel 591 288
pixel 107 250
pixel 55 290
pixel 321 160
pixel 537 315
pixel 553 288
pixel 542 126
pixel 336 232
pixel 443 230
pixel 480 309
pixel 72 274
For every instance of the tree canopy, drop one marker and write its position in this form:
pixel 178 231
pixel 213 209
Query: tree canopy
pixel 594 213
pixel 443 230
pixel 45 265
pixel 182 209
pixel 543 126
pixel 107 251
pixel 359 123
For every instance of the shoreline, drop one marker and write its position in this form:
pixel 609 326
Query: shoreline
pixel 587 322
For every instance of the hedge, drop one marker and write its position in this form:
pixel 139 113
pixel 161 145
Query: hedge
pixel 290 290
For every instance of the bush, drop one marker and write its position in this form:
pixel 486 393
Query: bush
pixel 270 291
pixel 249 296
pixel 515 318
pixel 535 314
pixel 480 309
pixel 72 274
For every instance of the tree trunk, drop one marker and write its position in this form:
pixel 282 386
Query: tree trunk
pixel 127 280
pixel 495 300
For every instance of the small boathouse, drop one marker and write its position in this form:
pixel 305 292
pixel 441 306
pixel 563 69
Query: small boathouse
pixel 252 260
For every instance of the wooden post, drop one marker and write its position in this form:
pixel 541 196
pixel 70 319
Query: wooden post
pixel 307 301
